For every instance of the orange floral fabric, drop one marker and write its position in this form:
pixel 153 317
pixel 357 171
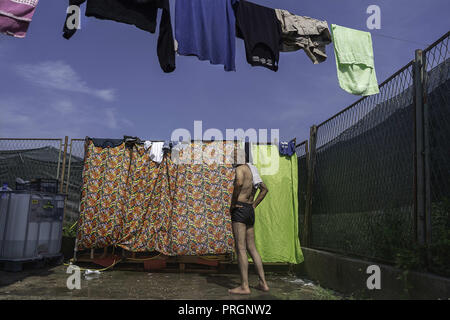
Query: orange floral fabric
pixel 139 205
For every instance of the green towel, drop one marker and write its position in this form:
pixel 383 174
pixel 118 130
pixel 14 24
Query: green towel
pixel 276 217
pixel 354 60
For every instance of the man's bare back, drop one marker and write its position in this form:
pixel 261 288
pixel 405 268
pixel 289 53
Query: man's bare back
pixel 247 192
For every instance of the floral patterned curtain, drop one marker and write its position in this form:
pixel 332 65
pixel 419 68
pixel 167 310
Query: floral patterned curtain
pixel 173 208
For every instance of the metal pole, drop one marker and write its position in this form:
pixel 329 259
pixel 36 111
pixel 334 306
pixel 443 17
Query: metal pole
pixel 68 182
pixel 66 141
pixel 426 138
pixel 25 244
pixel 311 160
pixel 307 175
pixel 307 155
pixel 5 230
pixel 68 169
pixel 75 250
pixel 59 158
pixel 419 151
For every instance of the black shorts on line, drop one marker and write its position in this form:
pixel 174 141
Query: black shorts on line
pixel 244 214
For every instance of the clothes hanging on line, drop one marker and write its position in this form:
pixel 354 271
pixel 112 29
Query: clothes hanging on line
pixel 354 60
pixel 179 146
pixel 301 32
pixel 260 29
pixel 16 15
pixel 276 217
pixel 130 201
pixel 167 146
pixel 287 148
pixel 106 143
pixel 249 152
pixel 206 29
pixel 140 13
pixel 201 198
pixel 256 177
pixel 107 177
pixel 156 150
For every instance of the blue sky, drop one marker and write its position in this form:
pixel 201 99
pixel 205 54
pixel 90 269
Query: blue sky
pixel 106 80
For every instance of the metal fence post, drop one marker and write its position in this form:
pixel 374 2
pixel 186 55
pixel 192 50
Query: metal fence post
pixel 311 160
pixel 419 152
pixel 68 167
pixel 427 164
pixel 61 186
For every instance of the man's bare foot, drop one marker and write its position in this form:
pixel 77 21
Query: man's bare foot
pixel 262 286
pixel 239 290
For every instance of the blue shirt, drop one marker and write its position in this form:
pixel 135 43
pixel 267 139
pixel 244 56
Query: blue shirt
pixel 287 148
pixel 207 29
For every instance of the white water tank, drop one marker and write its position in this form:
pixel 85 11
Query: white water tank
pixel 30 225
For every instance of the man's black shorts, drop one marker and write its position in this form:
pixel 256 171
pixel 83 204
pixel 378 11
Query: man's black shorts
pixel 244 214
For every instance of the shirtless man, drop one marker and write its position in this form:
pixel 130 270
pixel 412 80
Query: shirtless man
pixel 243 219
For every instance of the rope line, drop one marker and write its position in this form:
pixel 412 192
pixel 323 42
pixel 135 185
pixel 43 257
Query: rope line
pixel 399 39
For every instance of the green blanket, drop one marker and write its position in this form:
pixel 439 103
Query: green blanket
pixel 354 60
pixel 276 218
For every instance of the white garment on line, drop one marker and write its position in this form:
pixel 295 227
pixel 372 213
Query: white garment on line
pixel 256 178
pixel 156 151
pixel 250 152
pixel 147 145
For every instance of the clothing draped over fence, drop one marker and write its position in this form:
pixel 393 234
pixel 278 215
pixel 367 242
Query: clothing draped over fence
pixel 174 208
pixel 276 217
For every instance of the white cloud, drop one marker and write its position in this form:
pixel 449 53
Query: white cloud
pixel 56 116
pixel 61 76
pixel 14 119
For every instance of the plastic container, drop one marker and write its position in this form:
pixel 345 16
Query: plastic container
pixel 30 225
pixel 23 186
pixel 45 185
pixel 40 185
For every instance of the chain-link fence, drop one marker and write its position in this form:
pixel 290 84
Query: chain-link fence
pixel 437 88
pixel 29 159
pixel 364 172
pixel 302 155
pixel 368 196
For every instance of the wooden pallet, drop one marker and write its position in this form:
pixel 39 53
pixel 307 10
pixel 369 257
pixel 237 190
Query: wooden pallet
pixel 153 262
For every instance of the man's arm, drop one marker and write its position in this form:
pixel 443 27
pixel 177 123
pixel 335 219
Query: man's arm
pixel 263 190
pixel 238 183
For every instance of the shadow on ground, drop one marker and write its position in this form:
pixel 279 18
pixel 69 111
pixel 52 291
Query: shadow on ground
pixel 10 278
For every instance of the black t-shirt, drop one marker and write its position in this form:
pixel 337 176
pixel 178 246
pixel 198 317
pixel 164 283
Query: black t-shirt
pixel 142 14
pixel 261 31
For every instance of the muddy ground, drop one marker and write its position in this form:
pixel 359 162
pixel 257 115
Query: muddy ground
pixel 50 283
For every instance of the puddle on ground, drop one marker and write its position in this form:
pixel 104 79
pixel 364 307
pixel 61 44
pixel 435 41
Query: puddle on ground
pixel 115 284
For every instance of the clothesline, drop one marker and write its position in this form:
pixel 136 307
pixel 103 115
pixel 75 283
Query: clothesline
pixel 4 36
pixel 207 29
pixel 399 39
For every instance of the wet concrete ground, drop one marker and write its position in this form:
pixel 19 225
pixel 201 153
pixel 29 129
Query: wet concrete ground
pixel 113 284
